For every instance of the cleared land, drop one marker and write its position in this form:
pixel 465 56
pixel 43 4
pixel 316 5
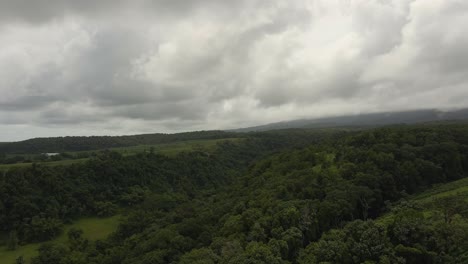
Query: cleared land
pixel 456 188
pixel 93 229
pixel 425 200
pixel 169 149
pixel 4 167
pixel 172 149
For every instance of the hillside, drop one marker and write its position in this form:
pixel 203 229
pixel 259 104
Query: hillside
pixel 69 144
pixel 94 228
pixel 171 145
pixel 431 227
pixel 168 149
pixel 89 143
pixel 277 197
pixel 366 120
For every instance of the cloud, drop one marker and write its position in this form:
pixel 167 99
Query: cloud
pixel 43 11
pixel 111 67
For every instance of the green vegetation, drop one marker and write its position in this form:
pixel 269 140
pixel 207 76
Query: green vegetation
pixel 431 227
pixel 72 144
pixel 172 149
pixel 4 167
pixel 27 251
pixel 94 228
pixel 169 149
pixel 455 188
pixel 388 195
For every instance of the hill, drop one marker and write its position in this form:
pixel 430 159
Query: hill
pixel 168 149
pixel 71 144
pixel 277 197
pixel 366 120
pixel 94 228
pixel 430 227
pixel 89 143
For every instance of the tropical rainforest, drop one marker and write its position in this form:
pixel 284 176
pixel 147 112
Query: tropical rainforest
pixel 394 194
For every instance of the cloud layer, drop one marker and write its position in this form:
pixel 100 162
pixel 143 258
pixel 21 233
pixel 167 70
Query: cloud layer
pixel 120 67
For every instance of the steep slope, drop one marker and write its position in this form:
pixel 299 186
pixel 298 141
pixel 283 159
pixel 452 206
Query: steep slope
pixel 68 144
pixel 431 227
pixel 366 120
pixel 282 209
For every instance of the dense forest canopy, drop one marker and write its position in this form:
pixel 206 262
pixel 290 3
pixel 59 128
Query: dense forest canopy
pixel 321 132
pixel 66 144
pixel 290 196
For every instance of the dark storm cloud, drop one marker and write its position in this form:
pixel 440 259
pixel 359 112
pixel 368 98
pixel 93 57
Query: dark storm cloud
pixel 161 111
pixel 27 103
pixel 102 72
pixel 62 116
pixel 41 11
pixel 115 66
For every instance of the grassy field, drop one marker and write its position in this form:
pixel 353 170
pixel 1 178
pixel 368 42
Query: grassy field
pixel 93 229
pixel 4 167
pixel 169 149
pixel 426 198
pixel 172 149
pixel 98 228
pixel 459 188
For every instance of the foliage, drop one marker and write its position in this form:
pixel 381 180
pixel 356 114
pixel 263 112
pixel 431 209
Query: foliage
pixel 12 240
pixel 293 196
pixel 68 144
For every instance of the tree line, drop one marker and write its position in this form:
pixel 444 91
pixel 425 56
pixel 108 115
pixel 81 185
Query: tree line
pixel 280 197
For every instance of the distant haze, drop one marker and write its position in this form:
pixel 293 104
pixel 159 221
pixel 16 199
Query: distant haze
pixel 367 120
pixel 115 67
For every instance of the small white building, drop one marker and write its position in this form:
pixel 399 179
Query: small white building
pixel 50 154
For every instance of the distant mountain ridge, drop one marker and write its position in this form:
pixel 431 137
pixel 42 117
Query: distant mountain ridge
pixel 85 143
pixel 366 120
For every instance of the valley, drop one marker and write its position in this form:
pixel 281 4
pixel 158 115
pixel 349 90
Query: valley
pixel 279 196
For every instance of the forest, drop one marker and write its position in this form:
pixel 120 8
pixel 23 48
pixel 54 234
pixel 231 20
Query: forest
pixel 395 194
pixel 66 144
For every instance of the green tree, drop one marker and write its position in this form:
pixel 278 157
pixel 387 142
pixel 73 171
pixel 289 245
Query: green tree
pixel 50 253
pixel 256 252
pixel 20 260
pixel 42 229
pixel 76 240
pixel 105 208
pixel 12 240
pixel 199 256
pixel 331 248
pixel 449 206
pixel 293 238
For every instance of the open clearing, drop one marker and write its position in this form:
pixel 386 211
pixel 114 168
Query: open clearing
pixel 169 149
pixel 94 228
pixel 426 199
pixel 458 188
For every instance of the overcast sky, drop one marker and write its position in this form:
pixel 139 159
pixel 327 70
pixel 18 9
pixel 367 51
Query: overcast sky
pixel 114 67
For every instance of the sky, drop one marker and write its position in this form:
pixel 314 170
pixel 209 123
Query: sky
pixel 114 67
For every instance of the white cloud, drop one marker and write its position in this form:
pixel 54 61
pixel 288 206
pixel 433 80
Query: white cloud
pixel 69 67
